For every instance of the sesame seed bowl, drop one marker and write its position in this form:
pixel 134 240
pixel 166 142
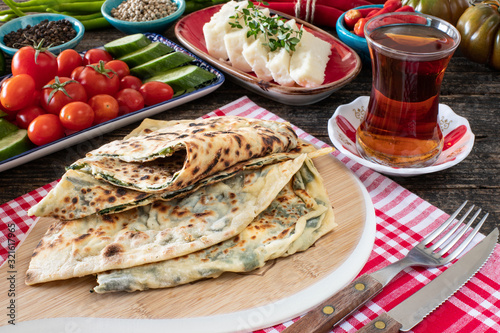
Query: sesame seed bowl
pixel 126 21
pixel 34 19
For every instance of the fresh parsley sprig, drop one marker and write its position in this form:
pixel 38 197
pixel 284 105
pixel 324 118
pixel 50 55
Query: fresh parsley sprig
pixel 277 34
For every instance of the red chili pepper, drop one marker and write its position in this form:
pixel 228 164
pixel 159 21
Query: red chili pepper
pixel 351 17
pixel 392 5
pixel 406 8
pixel 343 5
pixel 322 15
pixel 359 27
pixel 365 11
pixel 389 7
pixel 373 12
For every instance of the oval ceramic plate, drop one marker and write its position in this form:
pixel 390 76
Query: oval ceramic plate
pixel 342 68
pixel 120 121
pixel 458 138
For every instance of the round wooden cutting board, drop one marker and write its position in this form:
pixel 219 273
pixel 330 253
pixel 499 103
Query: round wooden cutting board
pixel 282 289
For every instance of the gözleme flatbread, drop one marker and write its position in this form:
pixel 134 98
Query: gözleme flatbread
pixel 175 157
pixel 297 217
pixel 79 194
pixel 159 231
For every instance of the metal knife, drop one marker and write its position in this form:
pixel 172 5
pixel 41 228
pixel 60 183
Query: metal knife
pixel 416 307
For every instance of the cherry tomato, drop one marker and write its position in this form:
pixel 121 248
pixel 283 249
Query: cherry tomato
pixel 155 92
pixel 120 67
pixel 129 100
pixel 41 66
pixel 61 91
pixel 98 80
pixel 45 128
pixel 10 115
pixel 105 108
pixel 76 116
pixel 351 17
pixel 75 73
pixel 130 81
pixel 93 56
pixel 18 92
pixel 37 97
pixel 67 61
pixel 25 116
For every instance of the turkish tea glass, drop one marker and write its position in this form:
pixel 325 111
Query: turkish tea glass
pixel 409 54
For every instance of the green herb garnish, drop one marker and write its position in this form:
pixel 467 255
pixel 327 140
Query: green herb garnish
pixel 277 34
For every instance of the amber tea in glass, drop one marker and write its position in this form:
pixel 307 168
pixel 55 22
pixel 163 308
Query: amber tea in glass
pixel 409 54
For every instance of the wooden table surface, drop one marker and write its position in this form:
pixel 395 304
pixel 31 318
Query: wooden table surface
pixel 471 90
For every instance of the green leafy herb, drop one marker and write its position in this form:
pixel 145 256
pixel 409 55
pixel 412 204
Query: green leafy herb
pixel 277 34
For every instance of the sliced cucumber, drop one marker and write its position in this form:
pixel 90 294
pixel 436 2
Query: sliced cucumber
pixel 2 114
pixel 148 53
pixel 6 128
pixel 128 44
pixel 14 144
pixel 161 64
pixel 184 78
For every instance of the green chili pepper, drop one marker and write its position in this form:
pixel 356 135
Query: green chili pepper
pixel 86 11
pixel 96 23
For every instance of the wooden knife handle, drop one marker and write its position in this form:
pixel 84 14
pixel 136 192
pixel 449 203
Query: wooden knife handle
pixel 333 310
pixel 382 324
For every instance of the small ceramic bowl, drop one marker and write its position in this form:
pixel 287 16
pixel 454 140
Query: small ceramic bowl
pixel 128 27
pixel 354 41
pixel 23 21
pixel 458 138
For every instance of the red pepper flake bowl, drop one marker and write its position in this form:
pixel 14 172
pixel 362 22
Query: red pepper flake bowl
pixel 23 21
pixel 356 42
pixel 132 27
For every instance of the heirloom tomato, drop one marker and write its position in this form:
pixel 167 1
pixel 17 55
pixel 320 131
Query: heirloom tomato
pixel 96 79
pixel 45 128
pixel 479 27
pixel 448 10
pixel 37 62
pixel 61 91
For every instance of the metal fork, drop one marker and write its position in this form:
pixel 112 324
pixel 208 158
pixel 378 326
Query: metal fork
pixel 358 292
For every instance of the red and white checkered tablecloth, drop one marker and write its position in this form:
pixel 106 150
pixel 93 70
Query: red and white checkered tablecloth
pixel 403 219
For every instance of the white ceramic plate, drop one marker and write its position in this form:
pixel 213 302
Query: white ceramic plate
pixel 342 68
pixel 121 121
pixel 458 138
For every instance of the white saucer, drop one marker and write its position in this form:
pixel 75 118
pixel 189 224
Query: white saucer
pixel 457 133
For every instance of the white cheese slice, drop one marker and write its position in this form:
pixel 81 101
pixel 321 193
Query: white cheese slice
pixel 215 30
pixel 279 63
pixel 308 61
pixel 235 41
pixel 256 54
